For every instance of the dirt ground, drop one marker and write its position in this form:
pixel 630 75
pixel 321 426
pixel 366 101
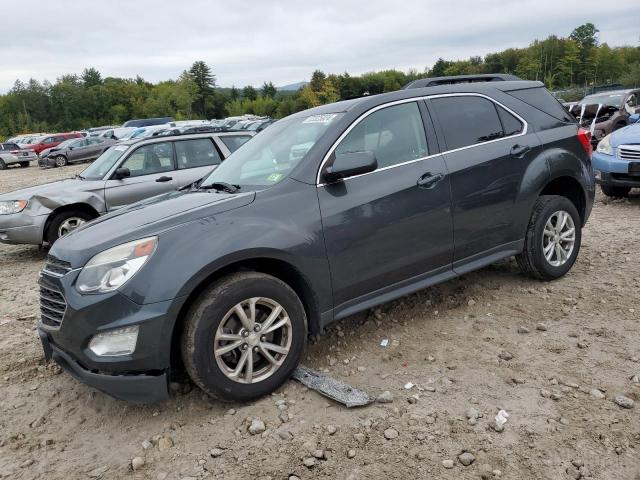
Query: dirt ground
pixel 553 355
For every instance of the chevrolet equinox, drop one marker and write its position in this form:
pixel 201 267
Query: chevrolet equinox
pixel 328 212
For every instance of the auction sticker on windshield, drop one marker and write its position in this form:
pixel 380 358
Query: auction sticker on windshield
pixel 324 118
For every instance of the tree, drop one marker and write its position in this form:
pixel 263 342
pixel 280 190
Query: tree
pixel 268 90
pixel 234 94
pixel 586 36
pixel 205 82
pixel 249 92
pixel 91 77
pixel 317 80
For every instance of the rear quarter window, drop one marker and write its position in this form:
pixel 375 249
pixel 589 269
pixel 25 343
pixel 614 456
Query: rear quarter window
pixel 235 142
pixel 541 99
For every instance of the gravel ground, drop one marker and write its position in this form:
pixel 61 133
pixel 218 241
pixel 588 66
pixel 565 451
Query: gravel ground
pixel 553 355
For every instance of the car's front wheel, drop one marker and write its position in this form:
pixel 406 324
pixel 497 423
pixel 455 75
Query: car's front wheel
pixel 65 222
pixel 244 336
pixel 60 161
pixel 553 238
pixel 616 192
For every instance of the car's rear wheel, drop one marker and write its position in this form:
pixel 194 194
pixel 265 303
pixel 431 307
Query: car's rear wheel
pixel 60 161
pixel 244 336
pixel 2 164
pixel 66 222
pixel 611 191
pixel 553 238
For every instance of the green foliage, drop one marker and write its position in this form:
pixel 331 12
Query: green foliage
pixel 75 102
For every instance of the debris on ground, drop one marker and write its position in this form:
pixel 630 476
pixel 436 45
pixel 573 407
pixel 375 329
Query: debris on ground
pixel 331 387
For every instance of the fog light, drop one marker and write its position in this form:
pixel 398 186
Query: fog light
pixel 120 341
pixel 597 174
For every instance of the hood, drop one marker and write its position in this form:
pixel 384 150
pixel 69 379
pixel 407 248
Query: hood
pixel 628 135
pixel 142 219
pixel 54 189
pixel 587 113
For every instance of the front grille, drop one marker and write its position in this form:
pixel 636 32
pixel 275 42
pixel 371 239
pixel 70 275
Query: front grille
pixel 57 266
pixel 52 303
pixel 629 152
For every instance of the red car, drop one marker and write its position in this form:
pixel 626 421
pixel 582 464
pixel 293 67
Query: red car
pixel 53 140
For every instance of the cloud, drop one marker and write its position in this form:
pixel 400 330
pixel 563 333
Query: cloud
pixel 282 41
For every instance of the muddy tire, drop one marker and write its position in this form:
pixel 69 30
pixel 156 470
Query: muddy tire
pixel 244 336
pixel 553 238
pixel 616 192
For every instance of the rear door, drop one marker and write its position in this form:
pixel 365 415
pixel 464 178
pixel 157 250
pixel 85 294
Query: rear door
pixel 393 224
pixel 152 170
pixel 488 149
pixel 195 158
pixel 77 150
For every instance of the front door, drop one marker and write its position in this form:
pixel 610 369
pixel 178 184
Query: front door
pixel 151 170
pixel 393 224
pixel 487 153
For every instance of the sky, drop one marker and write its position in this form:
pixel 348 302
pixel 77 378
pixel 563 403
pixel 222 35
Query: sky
pixel 283 41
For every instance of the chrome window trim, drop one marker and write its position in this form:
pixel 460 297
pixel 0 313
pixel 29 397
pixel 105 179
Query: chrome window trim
pixel 525 130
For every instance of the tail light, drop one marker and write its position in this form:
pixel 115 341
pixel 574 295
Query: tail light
pixel 584 136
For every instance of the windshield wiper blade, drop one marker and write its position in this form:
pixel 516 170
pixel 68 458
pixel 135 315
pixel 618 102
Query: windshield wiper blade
pixel 220 186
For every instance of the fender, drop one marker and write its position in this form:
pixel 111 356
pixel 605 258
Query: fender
pixel 535 177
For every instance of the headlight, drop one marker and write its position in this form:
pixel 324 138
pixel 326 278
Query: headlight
pixel 604 146
pixel 111 269
pixel 12 206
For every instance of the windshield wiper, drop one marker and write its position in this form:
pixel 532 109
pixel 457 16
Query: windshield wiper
pixel 79 176
pixel 220 186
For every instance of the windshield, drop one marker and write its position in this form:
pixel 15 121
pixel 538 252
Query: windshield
pixel 609 99
pixel 272 155
pixel 99 168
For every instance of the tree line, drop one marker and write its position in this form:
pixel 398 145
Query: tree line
pixel 80 101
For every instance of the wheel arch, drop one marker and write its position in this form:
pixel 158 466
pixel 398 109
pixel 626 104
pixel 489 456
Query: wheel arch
pixel 570 188
pixel 275 267
pixel 78 206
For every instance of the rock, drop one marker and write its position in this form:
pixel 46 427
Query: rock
pixel 146 444
pixel 390 433
pixel 573 472
pixel 257 427
pixel 165 443
pixel 472 413
pixel 595 393
pixel 27 463
pixel 38 422
pixel 471 302
pixel 285 434
pixel 583 345
pixel 216 452
pixel 505 355
pixel 231 411
pixel 447 464
pixel 624 402
pixel 97 472
pixel 309 462
pixel 577 463
pixel 385 397
pixel 556 396
pixel 497 427
pixel 137 463
pixel 360 437
pixel 351 453
pixel 486 472
pixel 331 429
pixel 318 453
pixel 523 330
pixel 294 477
pixel 545 393
pixel 541 327
pixel 466 458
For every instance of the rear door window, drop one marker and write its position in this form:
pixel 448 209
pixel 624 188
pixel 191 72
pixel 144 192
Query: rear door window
pixel 393 134
pixel 198 152
pixel 234 142
pixel 467 120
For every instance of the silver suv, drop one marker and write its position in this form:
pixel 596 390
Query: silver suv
pixel 126 173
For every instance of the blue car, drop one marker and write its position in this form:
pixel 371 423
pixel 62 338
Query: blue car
pixel 616 161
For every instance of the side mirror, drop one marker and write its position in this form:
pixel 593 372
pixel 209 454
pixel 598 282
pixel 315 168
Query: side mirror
pixel 122 173
pixel 635 118
pixel 350 164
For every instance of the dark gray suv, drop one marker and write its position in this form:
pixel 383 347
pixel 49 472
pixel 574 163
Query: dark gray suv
pixel 326 213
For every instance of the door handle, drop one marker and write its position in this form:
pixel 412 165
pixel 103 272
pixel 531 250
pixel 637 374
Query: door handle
pixel 429 180
pixel 164 179
pixel 520 151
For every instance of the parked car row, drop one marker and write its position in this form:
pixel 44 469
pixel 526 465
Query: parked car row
pixel 327 213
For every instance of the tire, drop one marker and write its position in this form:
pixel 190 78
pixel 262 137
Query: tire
pixel 611 191
pixel 213 310
pixel 60 161
pixel 58 222
pixel 532 261
pixel 24 164
pixel 3 166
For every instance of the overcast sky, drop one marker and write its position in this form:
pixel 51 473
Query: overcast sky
pixel 282 41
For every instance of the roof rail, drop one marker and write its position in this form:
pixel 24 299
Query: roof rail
pixel 432 82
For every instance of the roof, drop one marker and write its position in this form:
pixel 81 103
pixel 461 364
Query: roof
pixel 455 79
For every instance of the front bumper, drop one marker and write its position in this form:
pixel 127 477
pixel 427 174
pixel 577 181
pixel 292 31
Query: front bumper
pixel 140 377
pixel 138 388
pixel 610 170
pixel 22 228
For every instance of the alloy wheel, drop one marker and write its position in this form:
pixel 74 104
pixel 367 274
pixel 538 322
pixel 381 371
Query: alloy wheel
pixel 558 238
pixel 69 225
pixel 253 340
